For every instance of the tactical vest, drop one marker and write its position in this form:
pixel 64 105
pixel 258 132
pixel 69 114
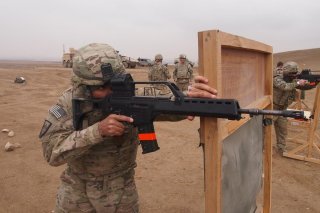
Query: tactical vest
pixel 182 71
pixel 282 99
pixel 114 156
pixel 158 73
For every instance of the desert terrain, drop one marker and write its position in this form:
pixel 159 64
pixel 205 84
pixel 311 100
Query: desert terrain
pixel 169 180
pixel 307 59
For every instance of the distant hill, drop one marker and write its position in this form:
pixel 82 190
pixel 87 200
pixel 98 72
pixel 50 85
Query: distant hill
pixel 307 59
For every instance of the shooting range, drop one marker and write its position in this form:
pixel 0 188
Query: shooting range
pixel 237 153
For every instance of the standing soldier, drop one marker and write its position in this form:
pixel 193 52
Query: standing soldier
pixel 283 96
pixel 100 158
pixel 183 73
pixel 278 69
pixel 159 72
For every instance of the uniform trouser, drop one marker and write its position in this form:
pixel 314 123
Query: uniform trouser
pixel 182 86
pixel 118 195
pixel 280 126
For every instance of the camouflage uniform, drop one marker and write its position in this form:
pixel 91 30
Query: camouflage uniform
pixel 100 170
pixel 159 72
pixel 283 96
pixel 183 74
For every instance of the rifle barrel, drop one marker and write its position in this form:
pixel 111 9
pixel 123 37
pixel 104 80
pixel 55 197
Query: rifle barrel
pixel 284 113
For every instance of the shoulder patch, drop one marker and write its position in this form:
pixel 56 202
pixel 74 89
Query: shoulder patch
pixel 57 111
pixel 46 125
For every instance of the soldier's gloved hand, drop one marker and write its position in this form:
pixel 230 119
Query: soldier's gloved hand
pixel 113 126
pixel 201 89
pixel 302 82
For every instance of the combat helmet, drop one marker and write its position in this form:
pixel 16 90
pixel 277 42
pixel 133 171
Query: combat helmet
pixel 182 56
pixel 88 60
pixel 290 67
pixel 158 57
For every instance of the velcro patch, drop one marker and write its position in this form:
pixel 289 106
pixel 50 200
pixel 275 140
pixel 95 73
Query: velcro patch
pixel 57 111
pixel 45 127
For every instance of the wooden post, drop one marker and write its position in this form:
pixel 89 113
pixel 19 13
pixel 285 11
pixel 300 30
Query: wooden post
pixel 212 154
pixel 238 68
pixel 268 141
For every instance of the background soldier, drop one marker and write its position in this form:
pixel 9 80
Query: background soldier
pixel 283 96
pixel 101 157
pixel 159 72
pixel 183 73
pixel 278 69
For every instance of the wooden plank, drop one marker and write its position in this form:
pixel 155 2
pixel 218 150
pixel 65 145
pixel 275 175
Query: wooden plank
pixel 316 148
pixel 242 74
pixel 232 126
pixel 235 41
pixel 302 158
pixel 298 141
pixel 233 61
pixel 210 48
pixel 269 75
pixel 267 163
pixel 314 124
pixel 298 149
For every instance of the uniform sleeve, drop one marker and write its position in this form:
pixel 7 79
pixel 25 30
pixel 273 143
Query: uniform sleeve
pixel 167 73
pixel 279 83
pixel 60 142
pixel 190 70
pixel 175 72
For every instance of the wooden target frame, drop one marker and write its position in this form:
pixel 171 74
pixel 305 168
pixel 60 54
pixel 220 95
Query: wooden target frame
pixel 309 149
pixel 238 68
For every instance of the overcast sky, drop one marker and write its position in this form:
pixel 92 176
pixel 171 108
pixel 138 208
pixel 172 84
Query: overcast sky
pixel 37 29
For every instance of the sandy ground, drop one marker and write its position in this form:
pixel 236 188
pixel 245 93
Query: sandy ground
pixel 170 180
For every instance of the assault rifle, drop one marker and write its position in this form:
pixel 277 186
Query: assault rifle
pixel 145 109
pixel 305 74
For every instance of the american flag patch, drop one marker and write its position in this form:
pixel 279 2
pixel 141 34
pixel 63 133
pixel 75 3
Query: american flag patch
pixel 57 111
